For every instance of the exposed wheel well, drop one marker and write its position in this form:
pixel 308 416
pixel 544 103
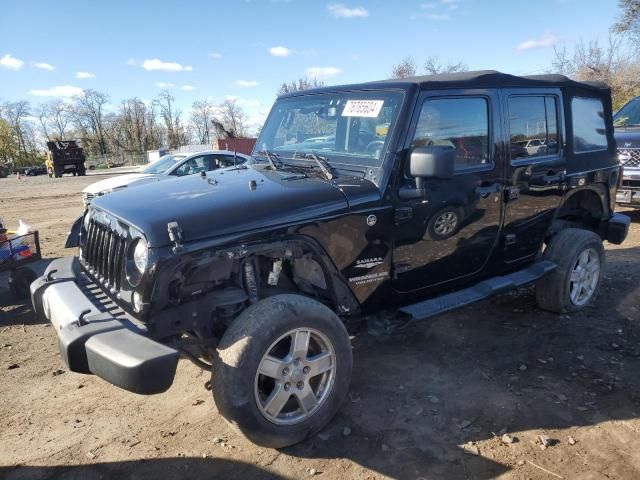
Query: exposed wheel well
pixel 583 209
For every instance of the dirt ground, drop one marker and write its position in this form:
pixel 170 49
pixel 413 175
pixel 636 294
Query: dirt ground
pixel 430 401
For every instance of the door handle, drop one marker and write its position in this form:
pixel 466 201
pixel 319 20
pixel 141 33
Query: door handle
pixel 485 191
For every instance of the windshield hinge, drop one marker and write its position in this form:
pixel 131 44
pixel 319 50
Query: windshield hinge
pixel 175 235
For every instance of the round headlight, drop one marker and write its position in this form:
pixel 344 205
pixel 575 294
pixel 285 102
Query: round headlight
pixel 141 255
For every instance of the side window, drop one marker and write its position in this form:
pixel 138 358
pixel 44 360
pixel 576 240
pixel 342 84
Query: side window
pixel 533 126
pixel 191 166
pixel 459 123
pixel 589 132
pixel 228 160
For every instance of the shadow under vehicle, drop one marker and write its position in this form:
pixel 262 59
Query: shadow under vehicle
pixel 410 194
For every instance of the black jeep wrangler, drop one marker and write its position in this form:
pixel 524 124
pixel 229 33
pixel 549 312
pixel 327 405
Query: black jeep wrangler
pixel 421 194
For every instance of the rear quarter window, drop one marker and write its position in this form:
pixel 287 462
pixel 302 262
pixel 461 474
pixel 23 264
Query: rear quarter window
pixel 589 131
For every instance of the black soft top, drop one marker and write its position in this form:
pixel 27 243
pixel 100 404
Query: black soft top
pixel 475 79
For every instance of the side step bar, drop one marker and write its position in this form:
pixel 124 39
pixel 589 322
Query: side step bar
pixel 480 291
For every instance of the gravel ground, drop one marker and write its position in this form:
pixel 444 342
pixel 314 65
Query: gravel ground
pixel 497 390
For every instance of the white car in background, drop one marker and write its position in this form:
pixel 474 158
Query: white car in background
pixel 168 167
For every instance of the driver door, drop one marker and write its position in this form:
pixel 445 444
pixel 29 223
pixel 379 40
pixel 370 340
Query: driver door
pixel 450 231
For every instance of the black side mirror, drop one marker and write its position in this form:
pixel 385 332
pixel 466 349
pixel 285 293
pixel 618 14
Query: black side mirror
pixel 432 162
pixel 429 162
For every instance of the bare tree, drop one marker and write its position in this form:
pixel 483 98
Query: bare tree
pixel 233 118
pixel 613 64
pixel 55 118
pixel 89 116
pixel 433 66
pixel 171 117
pixel 629 22
pixel 202 113
pixel 299 85
pixel 406 68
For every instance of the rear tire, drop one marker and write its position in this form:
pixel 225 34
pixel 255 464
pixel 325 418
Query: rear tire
pixel 303 387
pixel 574 284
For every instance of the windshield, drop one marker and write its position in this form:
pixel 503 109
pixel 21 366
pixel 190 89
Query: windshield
pixel 347 128
pixel 628 115
pixel 162 165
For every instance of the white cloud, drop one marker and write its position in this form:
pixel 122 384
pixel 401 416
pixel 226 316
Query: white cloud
pixel 64 91
pixel 44 66
pixel 216 55
pixel 437 10
pixel 436 16
pixel 164 85
pixel 187 88
pixel 280 51
pixel 83 75
pixel 156 64
pixel 322 72
pixel 246 83
pixel 338 10
pixel 12 63
pixel 132 62
pixel 547 40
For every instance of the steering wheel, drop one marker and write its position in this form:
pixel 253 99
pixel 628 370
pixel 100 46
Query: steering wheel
pixel 373 146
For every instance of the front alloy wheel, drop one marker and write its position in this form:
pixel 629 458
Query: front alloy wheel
pixel 283 370
pixel 295 376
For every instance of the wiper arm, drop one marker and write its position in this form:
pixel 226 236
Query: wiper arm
pixel 322 164
pixel 270 156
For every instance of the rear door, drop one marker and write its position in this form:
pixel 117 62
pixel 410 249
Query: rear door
pixel 536 168
pixel 450 233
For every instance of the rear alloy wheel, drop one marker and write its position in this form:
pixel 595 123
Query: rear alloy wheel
pixel 579 256
pixel 283 370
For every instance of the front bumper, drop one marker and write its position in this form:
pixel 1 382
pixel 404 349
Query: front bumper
pixel 94 337
pixel 628 197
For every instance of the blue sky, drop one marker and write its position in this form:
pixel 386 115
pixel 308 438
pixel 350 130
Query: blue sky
pixel 245 49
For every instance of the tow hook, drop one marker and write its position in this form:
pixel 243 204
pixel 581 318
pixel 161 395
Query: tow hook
pixel 207 385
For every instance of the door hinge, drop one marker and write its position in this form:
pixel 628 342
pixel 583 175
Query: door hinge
pixel 511 193
pixel 403 214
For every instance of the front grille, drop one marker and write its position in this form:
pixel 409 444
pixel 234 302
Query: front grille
pixel 104 254
pixel 634 153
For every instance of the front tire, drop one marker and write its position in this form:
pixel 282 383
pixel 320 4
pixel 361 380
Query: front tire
pixel 579 255
pixel 283 370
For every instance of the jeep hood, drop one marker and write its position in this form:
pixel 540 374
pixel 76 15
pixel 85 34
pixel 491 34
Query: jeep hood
pixel 231 201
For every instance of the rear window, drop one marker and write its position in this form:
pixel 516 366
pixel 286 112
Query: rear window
pixel 533 126
pixel 589 131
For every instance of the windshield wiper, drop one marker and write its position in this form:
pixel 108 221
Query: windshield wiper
pixel 270 156
pixel 322 163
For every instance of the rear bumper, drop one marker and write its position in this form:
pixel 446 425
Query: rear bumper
pixel 617 228
pixel 94 340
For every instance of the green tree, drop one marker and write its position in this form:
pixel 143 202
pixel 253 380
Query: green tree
pixel 9 150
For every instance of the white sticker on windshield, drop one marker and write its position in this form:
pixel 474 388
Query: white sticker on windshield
pixel 362 108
